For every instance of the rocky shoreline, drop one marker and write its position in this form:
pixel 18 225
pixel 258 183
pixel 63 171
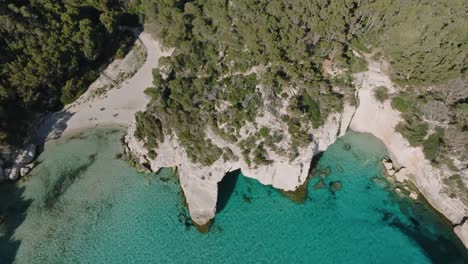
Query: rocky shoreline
pixel 21 163
pixel 200 184
pixel 408 165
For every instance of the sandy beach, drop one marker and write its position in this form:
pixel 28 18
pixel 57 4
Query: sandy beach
pixel 117 107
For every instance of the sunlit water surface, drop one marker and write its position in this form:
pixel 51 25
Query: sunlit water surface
pixel 90 207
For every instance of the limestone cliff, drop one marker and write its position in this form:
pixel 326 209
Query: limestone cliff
pixel 200 183
pixel 380 120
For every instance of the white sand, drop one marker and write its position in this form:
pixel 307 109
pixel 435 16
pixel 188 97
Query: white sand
pixel 117 107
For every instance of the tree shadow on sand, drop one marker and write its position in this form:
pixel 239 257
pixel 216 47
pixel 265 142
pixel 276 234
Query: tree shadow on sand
pixel 13 209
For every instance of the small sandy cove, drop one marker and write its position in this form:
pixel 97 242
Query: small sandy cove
pixel 117 107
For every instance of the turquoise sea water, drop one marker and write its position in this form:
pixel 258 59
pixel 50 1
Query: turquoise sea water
pixel 82 205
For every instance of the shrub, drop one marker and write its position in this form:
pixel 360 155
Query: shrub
pixel 432 146
pixel 400 104
pixel 413 130
pixel 264 131
pixel 381 93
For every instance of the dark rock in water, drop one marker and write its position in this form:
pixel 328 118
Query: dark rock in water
pixel 185 220
pixel 414 221
pixel 164 179
pixel 347 146
pixel 299 195
pixel 319 185
pixel 246 198
pixel 182 218
pixel 324 172
pixel 386 216
pixel 335 186
pixel 205 228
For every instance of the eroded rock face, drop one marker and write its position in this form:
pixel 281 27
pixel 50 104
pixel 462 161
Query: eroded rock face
pixel 200 183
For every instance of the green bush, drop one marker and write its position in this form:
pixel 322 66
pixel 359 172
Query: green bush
pixel 432 145
pixel 413 130
pixel 400 104
pixel 381 93
pixel 358 65
pixel 264 132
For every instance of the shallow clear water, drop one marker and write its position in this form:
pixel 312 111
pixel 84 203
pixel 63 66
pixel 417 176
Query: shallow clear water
pixel 83 205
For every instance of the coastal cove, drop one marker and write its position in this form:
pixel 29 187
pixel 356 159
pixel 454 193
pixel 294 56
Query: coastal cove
pixel 82 204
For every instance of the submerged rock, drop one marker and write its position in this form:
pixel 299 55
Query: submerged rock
pixel 347 146
pixel 319 185
pixel 335 186
pixel 380 182
pixel 323 172
pixel 246 198
pixel 299 195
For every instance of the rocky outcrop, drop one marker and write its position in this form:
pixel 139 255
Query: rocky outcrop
pixel 461 231
pixel 380 120
pixel 20 164
pixel 200 183
pixel 335 186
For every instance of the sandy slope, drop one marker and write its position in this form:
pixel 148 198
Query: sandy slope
pixel 117 107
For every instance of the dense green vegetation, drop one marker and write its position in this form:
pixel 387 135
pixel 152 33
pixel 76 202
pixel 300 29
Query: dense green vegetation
pixel 234 58
pixel 50 51
pixel 436 119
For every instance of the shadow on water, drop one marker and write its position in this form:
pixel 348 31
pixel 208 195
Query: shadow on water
pixel 438 249
pixel 66 179
pixel 225 189
pixel 443 246
pixel 13 209
pixel 314 165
